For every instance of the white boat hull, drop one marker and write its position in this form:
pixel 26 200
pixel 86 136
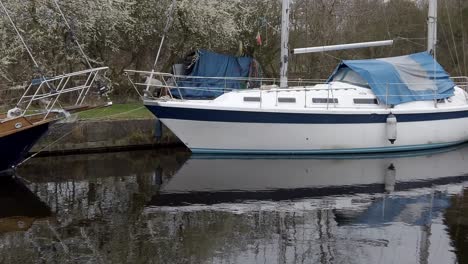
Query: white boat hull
pixel 318 134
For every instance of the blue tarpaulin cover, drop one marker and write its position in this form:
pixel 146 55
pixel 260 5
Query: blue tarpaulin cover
pixel 415 77
pixel 210 64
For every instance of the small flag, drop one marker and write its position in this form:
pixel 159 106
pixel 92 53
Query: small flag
pixel 259 38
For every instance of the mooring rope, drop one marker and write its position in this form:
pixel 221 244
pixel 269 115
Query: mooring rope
pixel 77 127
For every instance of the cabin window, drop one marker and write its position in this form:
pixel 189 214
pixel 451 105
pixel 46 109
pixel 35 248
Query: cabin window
pixel 286 100
pixel 347 75
pixel 324 100
pixel 366 101
pixel 251 99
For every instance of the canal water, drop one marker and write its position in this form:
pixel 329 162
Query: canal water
pixel 166 206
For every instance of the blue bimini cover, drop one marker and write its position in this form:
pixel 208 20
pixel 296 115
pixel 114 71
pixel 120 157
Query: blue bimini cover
pixel 415 77
pixel 210 64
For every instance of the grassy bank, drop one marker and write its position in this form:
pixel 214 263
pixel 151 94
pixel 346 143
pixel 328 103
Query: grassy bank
pixel 117 112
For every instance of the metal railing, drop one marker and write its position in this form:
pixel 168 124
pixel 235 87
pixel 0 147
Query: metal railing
pixel 175 83
pixel 48 92
pixel 461 81
pixel 170 82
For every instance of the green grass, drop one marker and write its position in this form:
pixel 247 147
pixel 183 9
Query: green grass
pixel 117 111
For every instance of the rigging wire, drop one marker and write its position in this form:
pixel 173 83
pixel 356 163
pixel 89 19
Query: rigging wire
pixel 410 40
pixel 75 39
pixel 166 29
pixel 19 35
pixel 453 38
pixel 26 46
pixel 387 24
pixel 23 87
pixel 331 56
pixel 392 48
pixel 463 36
pixel 107 83
pixel 73 130
pixel 448 45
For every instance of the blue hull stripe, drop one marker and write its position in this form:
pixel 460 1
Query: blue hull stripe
pixel 292 118
pixel 324 151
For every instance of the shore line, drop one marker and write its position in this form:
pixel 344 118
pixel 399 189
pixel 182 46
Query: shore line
pixel 91 136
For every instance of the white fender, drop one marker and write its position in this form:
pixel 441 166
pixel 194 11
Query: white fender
pixel 392 128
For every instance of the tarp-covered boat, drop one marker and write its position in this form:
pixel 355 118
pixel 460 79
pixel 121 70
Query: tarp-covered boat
pixel 381 105
pixel 374 105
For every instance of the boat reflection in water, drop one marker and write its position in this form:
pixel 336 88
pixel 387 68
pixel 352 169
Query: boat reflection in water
pixel 405 207
pixel 167 207
pixel 19 207
pixel 207 179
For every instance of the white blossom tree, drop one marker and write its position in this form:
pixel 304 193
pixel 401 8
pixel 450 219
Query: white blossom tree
pixel 126 34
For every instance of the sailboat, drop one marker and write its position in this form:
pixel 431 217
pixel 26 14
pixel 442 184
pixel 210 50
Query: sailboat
pixel 41 105
pixel 366 106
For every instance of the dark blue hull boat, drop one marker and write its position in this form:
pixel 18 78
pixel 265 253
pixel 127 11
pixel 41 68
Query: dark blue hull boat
pixel 15 146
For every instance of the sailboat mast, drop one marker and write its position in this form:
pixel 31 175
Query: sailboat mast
pixel 163 38
pixel 166 29
pixel 432 27
pixel 284 44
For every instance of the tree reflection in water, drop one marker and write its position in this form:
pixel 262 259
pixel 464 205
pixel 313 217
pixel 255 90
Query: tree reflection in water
pixel 456 220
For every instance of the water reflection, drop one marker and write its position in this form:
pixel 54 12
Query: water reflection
pixel 215 179
pixel 19 207
pixel 168 207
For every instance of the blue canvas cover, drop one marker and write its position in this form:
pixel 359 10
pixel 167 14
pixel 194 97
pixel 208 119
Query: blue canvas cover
pixel 415 77
pixel 211 64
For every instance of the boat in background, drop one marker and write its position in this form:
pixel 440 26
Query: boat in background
pixel 38 108
pixel 366 106
pixel 45 101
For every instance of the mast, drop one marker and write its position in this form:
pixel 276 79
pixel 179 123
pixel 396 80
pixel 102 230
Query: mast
pixel 432 27
pixel 284 44
pixel 163 38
